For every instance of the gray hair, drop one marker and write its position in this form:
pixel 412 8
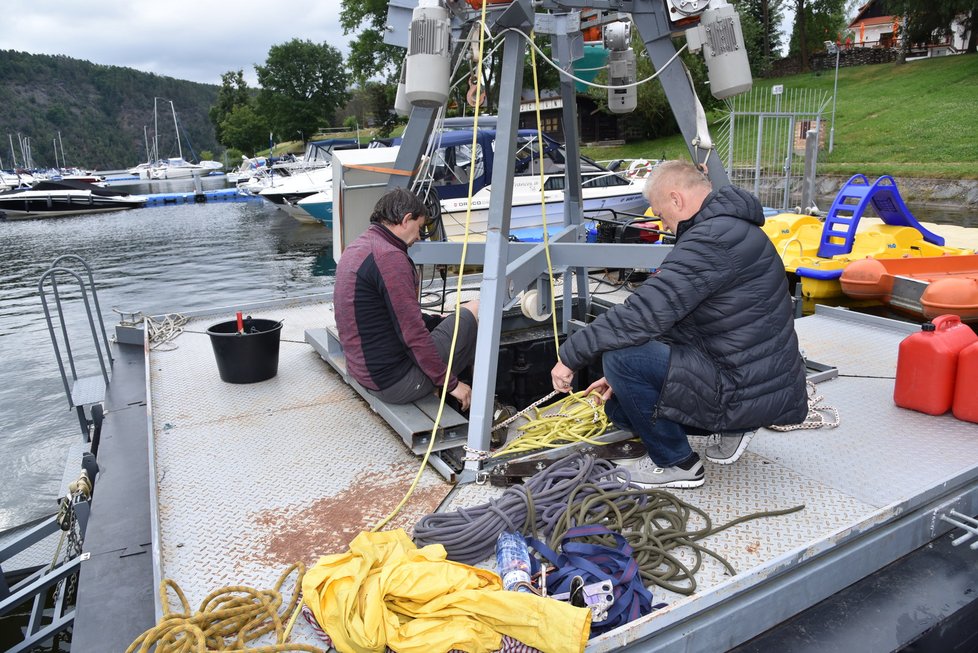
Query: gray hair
pixel 394 205
pixel 677 174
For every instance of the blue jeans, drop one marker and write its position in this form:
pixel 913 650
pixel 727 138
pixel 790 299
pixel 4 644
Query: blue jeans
pixel 637 374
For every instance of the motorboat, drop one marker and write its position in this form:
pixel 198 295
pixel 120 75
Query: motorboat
pixel 180 168
pixel 59 198
pixel 606 193
pixel 309 175
pixel 319 206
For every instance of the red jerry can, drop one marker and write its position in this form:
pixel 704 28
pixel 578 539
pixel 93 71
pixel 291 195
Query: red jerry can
pixel 927 365
pixel 966 385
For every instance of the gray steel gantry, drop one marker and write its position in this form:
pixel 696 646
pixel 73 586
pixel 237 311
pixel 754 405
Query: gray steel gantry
pixel 509 268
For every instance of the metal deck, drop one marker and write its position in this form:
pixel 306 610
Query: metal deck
pixel 249 478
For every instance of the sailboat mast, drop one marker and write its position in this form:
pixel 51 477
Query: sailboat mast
pixel 62 144
pixel 149 159
pixel 156 130
pixel 176 128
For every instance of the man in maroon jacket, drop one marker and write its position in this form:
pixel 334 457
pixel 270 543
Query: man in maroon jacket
pixel 392 348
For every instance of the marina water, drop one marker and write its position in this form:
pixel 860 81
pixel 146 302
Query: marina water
pixel 155 260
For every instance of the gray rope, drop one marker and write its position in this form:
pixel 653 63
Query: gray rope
pixel 469 535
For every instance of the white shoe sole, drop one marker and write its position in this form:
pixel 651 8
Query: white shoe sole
pixel 686 484
pixel 674 485
pixel 741 448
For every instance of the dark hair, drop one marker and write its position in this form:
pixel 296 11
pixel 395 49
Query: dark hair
pixel 394 205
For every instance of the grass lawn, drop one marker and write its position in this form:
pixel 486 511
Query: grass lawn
pixel 919 119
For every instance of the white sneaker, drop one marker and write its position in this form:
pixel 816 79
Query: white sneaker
pixel 727 449
pixel 647 474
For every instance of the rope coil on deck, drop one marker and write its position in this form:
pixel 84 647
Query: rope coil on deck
pixel 575 418
pixel 816 414
pixel 228 618
pixel 581 490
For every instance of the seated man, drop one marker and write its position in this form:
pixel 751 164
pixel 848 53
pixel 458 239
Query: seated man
pixel 392 349
pixel 704 345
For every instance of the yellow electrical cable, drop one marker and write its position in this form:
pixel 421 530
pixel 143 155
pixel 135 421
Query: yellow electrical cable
pixel 227 620
pixel 458 290
pixel 575 418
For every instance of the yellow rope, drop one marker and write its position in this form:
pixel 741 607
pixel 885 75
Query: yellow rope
pixel 227 620
pixel 575 418
pixel 543 196
pixel 458 289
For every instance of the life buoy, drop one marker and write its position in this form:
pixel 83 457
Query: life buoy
pixel 639 168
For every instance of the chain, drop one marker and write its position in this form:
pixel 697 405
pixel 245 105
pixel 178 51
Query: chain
pixel 816 414
pixel 523 412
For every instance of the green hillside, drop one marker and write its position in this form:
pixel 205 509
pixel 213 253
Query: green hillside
pixel 100 111
pixel 911 120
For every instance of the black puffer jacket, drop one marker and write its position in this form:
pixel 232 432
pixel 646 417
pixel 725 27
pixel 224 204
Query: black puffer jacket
pixel 720 300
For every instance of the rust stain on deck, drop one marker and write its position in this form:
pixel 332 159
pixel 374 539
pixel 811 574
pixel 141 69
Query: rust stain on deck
pixel 754 547
pixel 282 536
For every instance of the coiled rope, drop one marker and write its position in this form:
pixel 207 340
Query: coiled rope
pixel 575 418
pixel 582 490
pixel 817 414
pixel 227 620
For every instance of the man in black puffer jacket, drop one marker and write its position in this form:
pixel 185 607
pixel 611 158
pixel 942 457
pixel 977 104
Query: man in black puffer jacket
pixel 706 344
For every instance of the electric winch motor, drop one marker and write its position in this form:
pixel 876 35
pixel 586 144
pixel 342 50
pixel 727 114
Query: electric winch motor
pixel 429 55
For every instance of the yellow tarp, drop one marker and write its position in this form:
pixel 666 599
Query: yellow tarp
pixel 385 591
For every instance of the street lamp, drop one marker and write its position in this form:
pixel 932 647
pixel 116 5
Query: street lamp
pixel 832 48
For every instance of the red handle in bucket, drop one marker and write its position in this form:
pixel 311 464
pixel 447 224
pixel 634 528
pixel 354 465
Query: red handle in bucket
pixel 240 322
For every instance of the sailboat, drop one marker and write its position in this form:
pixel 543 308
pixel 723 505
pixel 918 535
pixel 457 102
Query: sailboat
pixel 174 167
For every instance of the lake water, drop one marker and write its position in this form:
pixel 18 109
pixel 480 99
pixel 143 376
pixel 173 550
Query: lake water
pixel 154 260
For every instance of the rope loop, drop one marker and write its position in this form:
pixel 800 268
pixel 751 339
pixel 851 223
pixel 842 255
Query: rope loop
pixel 817 414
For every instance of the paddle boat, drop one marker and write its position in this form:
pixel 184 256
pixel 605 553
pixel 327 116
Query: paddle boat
pixel 818 251
pixel 925 287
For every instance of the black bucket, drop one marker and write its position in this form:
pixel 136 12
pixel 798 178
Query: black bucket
pixel 247 357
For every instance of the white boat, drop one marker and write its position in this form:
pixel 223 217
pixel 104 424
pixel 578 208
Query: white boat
pixel 174 167
pixel 606 193
pixel 309 176
pixel 179 168
pixel 59 198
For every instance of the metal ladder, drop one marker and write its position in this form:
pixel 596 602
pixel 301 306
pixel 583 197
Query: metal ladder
pixel 50 589
pixel 85 391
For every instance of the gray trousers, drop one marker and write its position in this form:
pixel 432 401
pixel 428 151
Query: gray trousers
pixel 415 384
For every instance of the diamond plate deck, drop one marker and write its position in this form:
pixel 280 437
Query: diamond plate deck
pixel 252 477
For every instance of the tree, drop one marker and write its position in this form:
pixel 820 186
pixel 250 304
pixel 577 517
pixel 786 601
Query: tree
pixel 816 21
pixel 653 116
pixel 933 18
pixel 302 85
pixel 760 21
pixel 245 130
pixel 369 55
pixel 233 93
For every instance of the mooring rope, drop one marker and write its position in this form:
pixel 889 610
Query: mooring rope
pixel 227 620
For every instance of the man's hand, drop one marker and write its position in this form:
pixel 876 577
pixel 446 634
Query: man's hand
pixel 562 376
pixel 603 389
pixel 463 393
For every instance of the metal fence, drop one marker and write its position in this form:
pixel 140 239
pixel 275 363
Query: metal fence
pixel 761 141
